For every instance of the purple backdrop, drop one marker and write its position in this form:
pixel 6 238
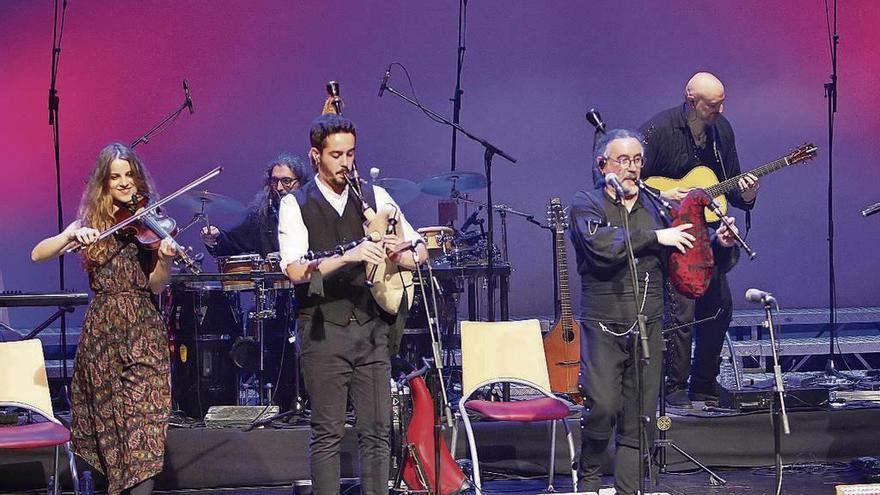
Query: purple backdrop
pixel 258 70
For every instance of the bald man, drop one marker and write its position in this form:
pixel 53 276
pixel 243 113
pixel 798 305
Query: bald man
pixel 679 139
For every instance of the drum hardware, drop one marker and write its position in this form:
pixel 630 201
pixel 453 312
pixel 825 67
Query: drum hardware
pixel 438 240
pixel 204 201
pixel 452 184
pixel 402 190
pixel 247 352
pixel 503 210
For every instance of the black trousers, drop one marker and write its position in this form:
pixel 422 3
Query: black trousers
pixel 338 363
pixel 608 378
pixel 708 337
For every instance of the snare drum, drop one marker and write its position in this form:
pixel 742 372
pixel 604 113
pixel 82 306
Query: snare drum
pixel 438 240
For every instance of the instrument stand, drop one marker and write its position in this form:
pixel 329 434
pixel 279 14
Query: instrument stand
pixel 440 398
pixel 491 151
pixel 664 423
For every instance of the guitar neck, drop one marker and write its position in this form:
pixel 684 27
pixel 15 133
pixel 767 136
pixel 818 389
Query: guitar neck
pixel 732 183
pixel 562 272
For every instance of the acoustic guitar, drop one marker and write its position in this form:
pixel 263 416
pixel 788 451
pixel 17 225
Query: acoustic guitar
pixel 703 177
pixel 562 346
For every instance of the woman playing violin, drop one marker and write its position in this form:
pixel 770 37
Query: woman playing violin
pixel 121 392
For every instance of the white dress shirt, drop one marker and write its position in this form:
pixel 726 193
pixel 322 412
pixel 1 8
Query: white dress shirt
pixel 293 235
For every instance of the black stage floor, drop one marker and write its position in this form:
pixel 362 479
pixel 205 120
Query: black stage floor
pixel 813 479
pixel 820 448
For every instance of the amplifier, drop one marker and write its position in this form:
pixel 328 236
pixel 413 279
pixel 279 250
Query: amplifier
pixel 751 399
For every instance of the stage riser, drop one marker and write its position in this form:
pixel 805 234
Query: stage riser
pixel 203 458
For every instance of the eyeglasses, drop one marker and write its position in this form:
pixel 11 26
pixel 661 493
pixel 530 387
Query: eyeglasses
pixel 285 181
pixel 625 161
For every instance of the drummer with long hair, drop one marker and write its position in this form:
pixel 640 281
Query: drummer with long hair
pixel 121 394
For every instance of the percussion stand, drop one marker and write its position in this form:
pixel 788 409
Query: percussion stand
pixel 262 311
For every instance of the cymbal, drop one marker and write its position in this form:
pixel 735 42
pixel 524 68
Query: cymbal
pixel 212 202
pixel 444 185
pixel 402 190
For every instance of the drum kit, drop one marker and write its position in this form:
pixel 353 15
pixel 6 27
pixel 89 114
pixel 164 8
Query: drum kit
pixel 223 354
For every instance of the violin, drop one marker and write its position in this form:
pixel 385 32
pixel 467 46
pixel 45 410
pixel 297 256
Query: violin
pixel 152 227
pixel 154 223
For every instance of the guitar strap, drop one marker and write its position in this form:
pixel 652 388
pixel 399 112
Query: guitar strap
pixel 724 172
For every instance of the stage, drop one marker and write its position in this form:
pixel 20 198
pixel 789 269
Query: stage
pixel 202 458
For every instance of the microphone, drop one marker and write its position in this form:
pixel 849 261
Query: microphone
pixel 333 92
pixel 189 101
pixel 470 220
pixel 595 119
pixel 374 174
pixel 874 208
pixel 612 179
pixel 385 78
pixel 759 296
pixel 665 208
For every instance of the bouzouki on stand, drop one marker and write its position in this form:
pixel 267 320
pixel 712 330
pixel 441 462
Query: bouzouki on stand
pixel 562 345
pixel 703 177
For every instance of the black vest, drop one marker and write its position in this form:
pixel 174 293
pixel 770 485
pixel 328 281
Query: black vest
pixel 345 294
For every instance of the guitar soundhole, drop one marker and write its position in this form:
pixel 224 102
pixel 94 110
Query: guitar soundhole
pixel 568 335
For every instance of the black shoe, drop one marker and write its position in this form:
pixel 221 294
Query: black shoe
pixel 588 486
pixel 679 399
pixel 701 397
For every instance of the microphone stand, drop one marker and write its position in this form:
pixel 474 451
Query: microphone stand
pixel 159 127
pixel 640 347
pixel 490 151
pixel 779 416
pixel 831 95
pixel 54 104
pixel 459 64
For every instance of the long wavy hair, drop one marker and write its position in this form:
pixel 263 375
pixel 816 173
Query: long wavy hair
pixel 265 202
pixel 96 207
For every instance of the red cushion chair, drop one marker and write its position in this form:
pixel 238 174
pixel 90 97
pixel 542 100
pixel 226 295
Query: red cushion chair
pixel 23 385
pixel 510 352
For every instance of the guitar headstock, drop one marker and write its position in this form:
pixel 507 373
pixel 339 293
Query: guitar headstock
pixel 804 152
pixel 557 217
